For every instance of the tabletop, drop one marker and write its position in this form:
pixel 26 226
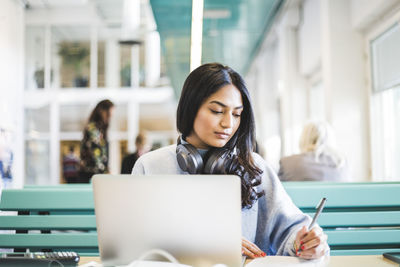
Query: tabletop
pixel 332 261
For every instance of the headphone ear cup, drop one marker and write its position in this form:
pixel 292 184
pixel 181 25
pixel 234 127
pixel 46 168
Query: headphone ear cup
pixel 217 160
pixel 189 159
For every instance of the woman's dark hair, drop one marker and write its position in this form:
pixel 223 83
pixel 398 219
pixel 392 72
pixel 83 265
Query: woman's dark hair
pixel 199 85
pixel 101 115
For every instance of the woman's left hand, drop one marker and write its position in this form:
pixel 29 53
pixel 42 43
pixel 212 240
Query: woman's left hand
pixel 311 244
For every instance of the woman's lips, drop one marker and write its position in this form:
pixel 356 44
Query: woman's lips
pixel 222 135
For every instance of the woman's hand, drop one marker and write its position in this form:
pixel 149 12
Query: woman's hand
pixel 251 250
pixel 311 244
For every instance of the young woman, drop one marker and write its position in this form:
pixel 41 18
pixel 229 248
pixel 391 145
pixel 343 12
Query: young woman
pixel 94 145
pixel 216 123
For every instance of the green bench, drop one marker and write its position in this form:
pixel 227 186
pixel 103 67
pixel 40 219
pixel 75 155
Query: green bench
pixel 359 218
pixel 52 218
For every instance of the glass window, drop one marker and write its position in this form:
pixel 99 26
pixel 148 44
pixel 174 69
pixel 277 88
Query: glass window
pixel 385 109
pixel 386 59
pixel 125 66
pixel 37 145
pixel 34 58
pixel 386 134
pixel 101 68
pixel 37 121
pixel 119 119
pixel 71 56
pixel 37 162
pixel 73 117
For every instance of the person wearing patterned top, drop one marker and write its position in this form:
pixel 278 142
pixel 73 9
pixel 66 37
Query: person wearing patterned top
pixel 94 145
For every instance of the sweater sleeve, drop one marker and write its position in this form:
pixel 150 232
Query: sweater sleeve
pixel 279 219
pixel 138 168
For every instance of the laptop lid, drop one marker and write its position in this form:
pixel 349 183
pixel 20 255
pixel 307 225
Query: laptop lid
pixel 196 218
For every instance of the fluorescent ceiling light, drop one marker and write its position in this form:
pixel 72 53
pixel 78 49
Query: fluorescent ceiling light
pixel 196 34
pixel 217 14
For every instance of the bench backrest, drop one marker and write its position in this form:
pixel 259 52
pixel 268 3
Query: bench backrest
pixel 359 218
pixel 53 218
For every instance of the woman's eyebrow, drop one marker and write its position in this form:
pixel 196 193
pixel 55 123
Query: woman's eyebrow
pixel 223 105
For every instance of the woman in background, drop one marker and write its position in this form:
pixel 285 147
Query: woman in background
pixel 94 146
pixel 216 122
pixel 318 161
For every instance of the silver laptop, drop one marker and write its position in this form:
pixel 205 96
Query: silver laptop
pixel 196 218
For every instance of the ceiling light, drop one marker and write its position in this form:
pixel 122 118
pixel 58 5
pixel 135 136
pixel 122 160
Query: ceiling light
pixel 217 14
pixel 196 33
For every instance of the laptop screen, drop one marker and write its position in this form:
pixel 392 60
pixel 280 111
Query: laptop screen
pixel 196 218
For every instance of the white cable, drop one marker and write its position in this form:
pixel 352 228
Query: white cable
pixel 153 252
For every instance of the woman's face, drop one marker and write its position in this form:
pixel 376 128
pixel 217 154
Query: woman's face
pixel 107 114
pixel 217 119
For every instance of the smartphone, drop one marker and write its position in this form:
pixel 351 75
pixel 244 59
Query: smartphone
pixel 393 256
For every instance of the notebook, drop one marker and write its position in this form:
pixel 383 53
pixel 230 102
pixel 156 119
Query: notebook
pixel 195 218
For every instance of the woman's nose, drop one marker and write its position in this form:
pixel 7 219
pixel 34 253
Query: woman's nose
pixel 227 121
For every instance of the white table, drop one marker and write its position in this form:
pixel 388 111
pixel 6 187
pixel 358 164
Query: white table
pixel 332 261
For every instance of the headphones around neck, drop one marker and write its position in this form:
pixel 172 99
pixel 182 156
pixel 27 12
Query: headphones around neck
pixel 216 160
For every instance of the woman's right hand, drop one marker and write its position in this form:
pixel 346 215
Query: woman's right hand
pixel 251 250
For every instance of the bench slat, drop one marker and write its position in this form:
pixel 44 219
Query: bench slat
pixel 67 240
pixel 308 194
pixel 45 222
pixel 348 252
pixel 39 199
pixel 58 186
pixel 358 219
pixel 363 237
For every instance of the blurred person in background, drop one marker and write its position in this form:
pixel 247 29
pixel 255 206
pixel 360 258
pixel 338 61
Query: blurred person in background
pixel 71 166
pixel 94 145
pixel 319 159
pixel 6 158
pixel 142 146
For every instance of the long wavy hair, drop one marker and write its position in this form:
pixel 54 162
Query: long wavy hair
pixel 101 115
pixel 199 85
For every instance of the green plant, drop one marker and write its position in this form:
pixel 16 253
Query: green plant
pixel 73 54
pixel 126 75
pixel 39 77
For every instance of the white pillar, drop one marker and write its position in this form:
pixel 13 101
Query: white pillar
pixel 345 85
pixel 54 142
pixel 56 71
pixel 133 124
pixel 12 54
pixel 93 57
pixel 130 19
pixel 47 57
pixel 290 87
pixel 112 64
pixel 152 58
pixel 114 156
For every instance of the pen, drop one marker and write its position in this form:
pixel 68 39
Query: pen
pixel 320 207
pixel 243 260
